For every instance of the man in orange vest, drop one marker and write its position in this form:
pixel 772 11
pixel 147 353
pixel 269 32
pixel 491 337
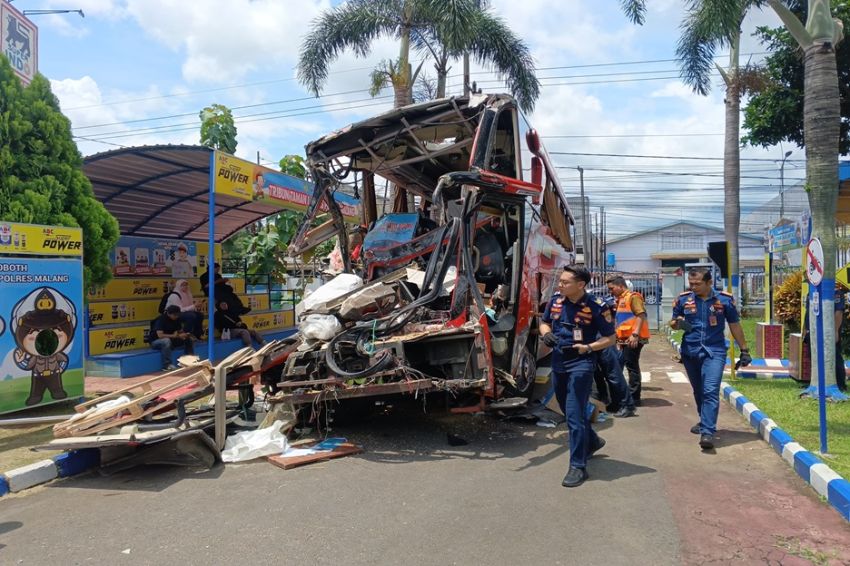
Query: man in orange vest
pixel 632 331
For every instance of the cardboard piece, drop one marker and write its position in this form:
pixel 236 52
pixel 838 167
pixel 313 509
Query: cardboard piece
pixel 289 462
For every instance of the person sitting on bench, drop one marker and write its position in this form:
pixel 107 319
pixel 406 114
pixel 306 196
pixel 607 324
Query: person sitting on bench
pixel 228 320
pixel 168 333
pixel 223 290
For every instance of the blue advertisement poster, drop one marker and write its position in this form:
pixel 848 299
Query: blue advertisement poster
pixel 791 235
pixel 41 331
pixel 134 256
pixel 391 230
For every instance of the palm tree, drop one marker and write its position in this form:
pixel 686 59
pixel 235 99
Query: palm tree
pixel 444 28
pixel 703 31
pixel 821 125
pixel 487 39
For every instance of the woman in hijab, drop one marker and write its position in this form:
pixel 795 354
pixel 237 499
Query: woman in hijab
pixel 190 317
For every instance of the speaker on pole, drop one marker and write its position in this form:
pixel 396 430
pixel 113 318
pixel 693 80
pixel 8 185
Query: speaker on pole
pixel 718 253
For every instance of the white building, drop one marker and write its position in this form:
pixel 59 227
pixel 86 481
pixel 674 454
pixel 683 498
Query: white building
pixel 674 245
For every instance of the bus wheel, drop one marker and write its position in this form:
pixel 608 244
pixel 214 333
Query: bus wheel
pixel 524 376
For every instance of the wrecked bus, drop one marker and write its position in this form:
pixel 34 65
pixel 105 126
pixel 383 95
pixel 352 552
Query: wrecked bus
pixel 453 274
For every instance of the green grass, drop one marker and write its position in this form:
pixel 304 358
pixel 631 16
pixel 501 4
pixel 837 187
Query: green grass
pixel 748 325
pixel 14 391
pixel 779 399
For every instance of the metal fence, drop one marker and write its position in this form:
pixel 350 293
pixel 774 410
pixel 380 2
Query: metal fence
pixel 647 284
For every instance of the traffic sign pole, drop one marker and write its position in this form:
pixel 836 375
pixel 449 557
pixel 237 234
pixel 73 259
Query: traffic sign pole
pixel 817 298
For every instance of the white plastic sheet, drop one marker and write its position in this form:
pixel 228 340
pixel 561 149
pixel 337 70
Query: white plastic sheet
pixel 251 444
pixel 319 327
pixel 336 287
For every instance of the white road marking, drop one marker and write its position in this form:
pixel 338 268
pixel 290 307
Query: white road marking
pixel 677 377
pixel 645 377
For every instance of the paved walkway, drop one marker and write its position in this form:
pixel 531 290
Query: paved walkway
pixel 653 498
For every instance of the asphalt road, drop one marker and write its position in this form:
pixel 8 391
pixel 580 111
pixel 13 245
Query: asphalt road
pixel 411 498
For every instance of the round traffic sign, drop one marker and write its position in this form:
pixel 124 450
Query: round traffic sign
pixel 814 262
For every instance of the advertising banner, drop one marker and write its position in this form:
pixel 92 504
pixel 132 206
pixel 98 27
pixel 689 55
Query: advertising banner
pixel 102 313
pixel 791 235
pixel 179 259
pixel 149 288
pixel 19 42
pixel 269 320
pixel 246 181
pixel 40 240
pixel 41 331
pixel 122 312
pixel 391 230
pixel 113 340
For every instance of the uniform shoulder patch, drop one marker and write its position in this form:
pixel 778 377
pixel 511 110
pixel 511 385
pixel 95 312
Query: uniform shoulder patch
pixel 683 293
pixel 598 301
pixel 730 295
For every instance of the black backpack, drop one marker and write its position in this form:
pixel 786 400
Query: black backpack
pixel 151 335
pixel 164 300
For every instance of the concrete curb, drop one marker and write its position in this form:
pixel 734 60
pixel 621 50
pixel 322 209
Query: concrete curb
pixel 830 485
pixel 758 369
pixel 61 466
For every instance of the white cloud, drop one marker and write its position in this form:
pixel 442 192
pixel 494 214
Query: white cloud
pixel 225 41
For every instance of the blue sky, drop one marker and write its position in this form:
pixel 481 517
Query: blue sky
pixel 609 88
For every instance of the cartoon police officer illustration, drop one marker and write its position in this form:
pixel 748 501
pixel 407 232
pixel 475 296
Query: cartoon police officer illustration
pixel 43 325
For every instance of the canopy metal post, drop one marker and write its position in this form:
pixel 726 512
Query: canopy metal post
pixel 211 263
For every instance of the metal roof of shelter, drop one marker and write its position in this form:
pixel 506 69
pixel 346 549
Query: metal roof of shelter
pixel 162 191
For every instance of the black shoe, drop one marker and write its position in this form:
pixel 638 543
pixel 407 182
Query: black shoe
pixel 706 442
pixel 575 477
pixel 599 445
pixel 695 429
pixel 625 412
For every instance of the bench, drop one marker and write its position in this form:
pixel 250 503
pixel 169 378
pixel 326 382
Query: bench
pixel 140 362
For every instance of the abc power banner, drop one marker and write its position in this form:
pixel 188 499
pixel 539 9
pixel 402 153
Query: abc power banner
pixel 246 181
pixel 41 331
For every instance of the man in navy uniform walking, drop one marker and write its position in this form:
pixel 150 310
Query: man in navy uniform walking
pixel 570 325
pixel 703 314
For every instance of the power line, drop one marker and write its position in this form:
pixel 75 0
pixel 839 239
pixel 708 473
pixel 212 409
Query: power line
pixel 630 136
pixel 690 158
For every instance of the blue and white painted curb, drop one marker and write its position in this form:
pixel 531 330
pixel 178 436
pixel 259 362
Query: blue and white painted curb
pixel 830 485
pixel 61 466
pixel 760 368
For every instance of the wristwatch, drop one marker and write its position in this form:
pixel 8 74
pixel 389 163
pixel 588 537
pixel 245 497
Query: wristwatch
pixel 635 334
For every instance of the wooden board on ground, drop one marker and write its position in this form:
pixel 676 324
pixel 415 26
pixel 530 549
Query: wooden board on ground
pixel 289 462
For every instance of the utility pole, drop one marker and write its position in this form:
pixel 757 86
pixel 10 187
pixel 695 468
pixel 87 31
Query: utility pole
pixel 603 260
pixel 782 185
pixel 584 217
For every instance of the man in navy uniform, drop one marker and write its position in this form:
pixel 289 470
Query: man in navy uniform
pixel 570 325
pixel 703 315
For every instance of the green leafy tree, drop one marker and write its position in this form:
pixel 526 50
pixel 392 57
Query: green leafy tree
pixel 775 112
pixel 218 130
pixel 294 166
pixel 41 176
pixel 821 125
pixel 468 28
pixel 443 28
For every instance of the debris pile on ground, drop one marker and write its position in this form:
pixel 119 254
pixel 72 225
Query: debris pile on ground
pixel 173 414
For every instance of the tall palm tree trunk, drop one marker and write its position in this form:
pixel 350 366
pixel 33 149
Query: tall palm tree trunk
pixel 732 179
pixel 821 124
pixel 401 83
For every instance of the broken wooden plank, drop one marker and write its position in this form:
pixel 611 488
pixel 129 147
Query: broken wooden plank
pixel 289 462
pixel 358 391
